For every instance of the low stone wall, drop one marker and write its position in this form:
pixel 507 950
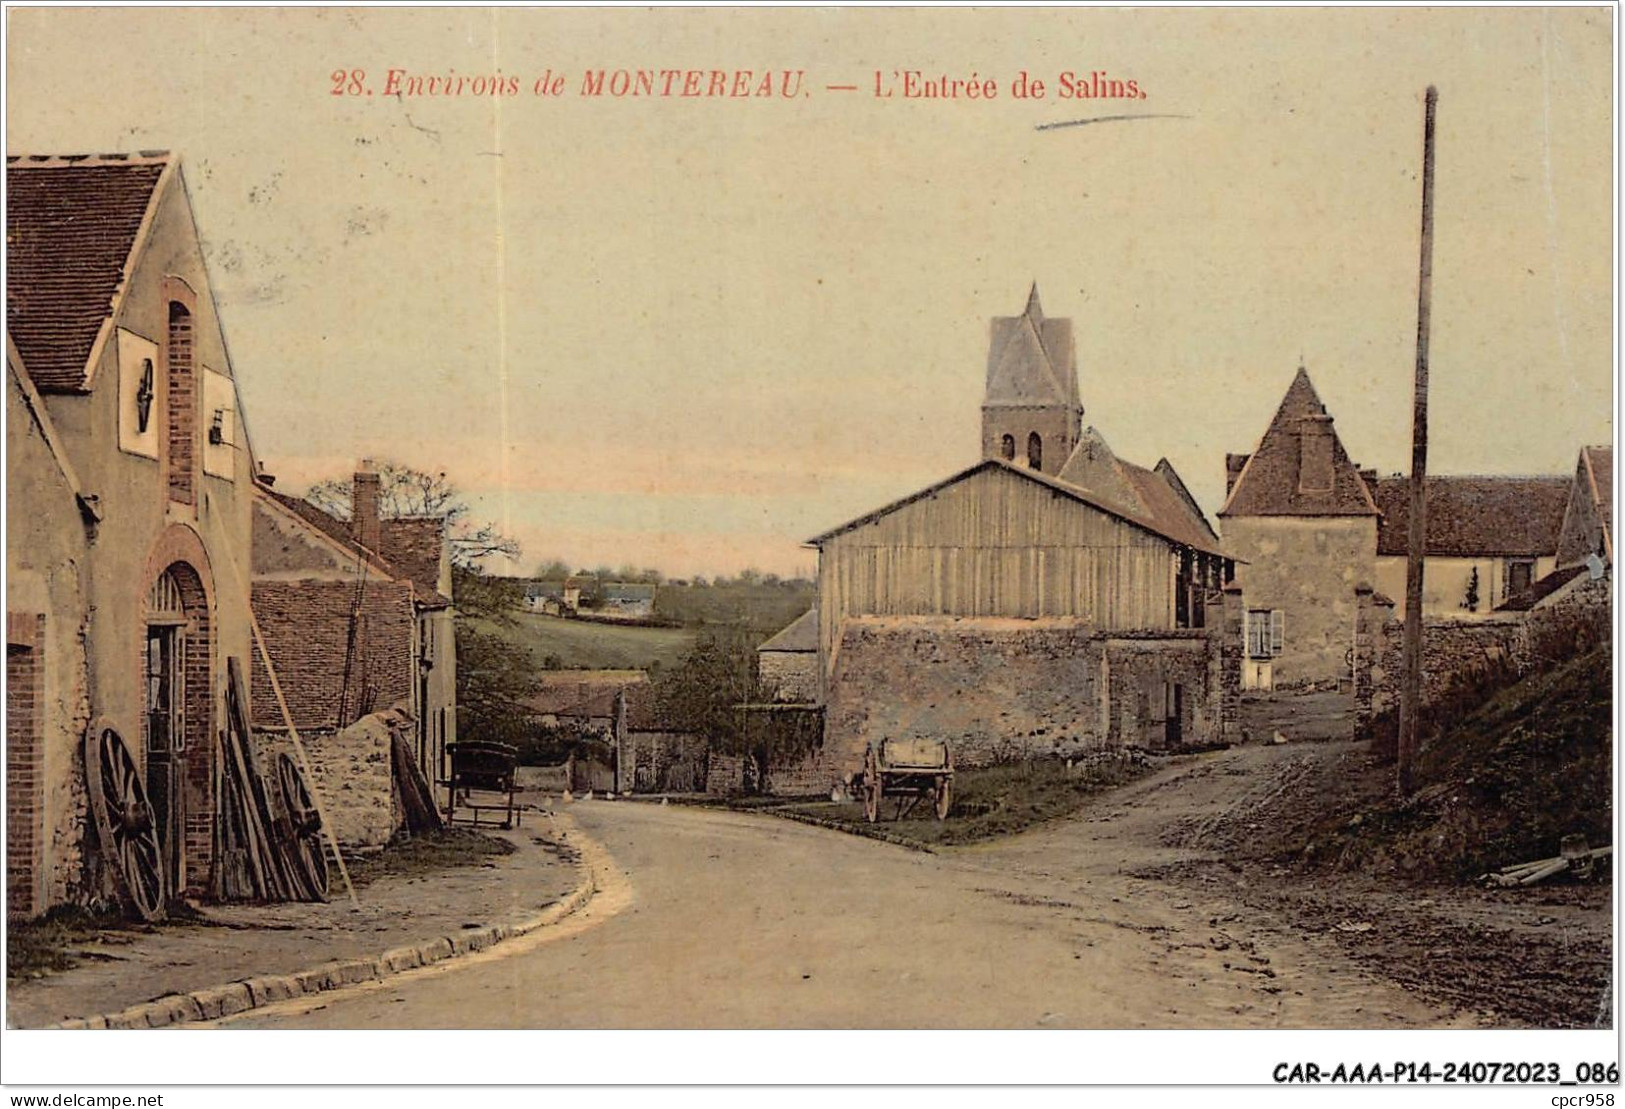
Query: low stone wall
pixel 1003 689
pixel 354 781
pixel 725 775
pixel 661 762
pixel 1457 650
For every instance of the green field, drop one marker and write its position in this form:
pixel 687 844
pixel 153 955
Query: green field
pixel 582 645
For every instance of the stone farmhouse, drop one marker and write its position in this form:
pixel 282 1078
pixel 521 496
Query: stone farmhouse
pixel 1314 534
pixel 1051 597
pixel 134 498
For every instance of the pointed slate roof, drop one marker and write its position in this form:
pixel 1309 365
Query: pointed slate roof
pixel 1031 361
pixel 73 226
pixel 1269 484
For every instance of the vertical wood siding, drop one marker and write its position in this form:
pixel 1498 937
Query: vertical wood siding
pixel 997 544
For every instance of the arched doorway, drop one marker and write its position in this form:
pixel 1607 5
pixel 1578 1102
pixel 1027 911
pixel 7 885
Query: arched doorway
pixel 177 695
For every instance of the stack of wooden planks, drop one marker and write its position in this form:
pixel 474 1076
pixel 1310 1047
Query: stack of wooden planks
pixel 257 854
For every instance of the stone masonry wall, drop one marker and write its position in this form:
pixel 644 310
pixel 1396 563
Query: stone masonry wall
pixel 1453 649
pixel 354 783
pixel 1000 689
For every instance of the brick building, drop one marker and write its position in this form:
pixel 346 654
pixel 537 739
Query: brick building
pixel 356 619
pixel 129 506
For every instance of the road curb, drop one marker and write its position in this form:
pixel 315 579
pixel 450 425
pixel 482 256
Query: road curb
pixel 215 1002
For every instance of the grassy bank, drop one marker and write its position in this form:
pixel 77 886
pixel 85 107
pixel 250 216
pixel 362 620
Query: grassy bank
pixel 588 645
pixel 987 803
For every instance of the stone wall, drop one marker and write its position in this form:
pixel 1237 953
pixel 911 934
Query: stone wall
pixel 793 674
pixel 1002 689
pixel 1307 567
pixel 1455 650
pixel 661 762
pixel 354 781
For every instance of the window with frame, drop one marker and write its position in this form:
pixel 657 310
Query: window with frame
pixel 1265 632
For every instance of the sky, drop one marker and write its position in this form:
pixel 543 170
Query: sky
pixel 691 332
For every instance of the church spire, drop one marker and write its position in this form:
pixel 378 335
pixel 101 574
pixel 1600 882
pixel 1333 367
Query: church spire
pixel 1035 311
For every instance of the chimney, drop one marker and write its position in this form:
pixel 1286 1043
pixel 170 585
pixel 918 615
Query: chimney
pixel 1369 476
pixel 365 494
pixel 1315 470
pixel 1233 465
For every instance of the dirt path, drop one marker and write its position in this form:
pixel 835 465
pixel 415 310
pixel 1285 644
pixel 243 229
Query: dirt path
pixel 732 920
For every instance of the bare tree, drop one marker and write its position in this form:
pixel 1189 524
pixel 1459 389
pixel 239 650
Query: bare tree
pixel 405 491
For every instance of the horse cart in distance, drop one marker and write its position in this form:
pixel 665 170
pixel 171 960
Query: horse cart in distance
pixel 911 770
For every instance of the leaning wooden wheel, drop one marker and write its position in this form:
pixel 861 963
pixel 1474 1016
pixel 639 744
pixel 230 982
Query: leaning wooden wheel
pixel 305 848
pixel 125 827
pixel 944 792
pixel 871 786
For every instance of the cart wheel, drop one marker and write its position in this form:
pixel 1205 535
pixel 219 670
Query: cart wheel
pixel 871 786
pixel 945 791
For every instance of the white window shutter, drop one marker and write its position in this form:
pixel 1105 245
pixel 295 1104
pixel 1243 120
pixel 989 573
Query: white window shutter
pixel 1277 627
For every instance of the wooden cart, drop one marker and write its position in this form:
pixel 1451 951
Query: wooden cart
pixel 909 770
pixel 487 769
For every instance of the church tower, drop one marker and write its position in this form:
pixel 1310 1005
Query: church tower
pixel 1031 414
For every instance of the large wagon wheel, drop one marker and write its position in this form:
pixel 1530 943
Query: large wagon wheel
pixel 125 827
pixel 305 846
pixel 871 785
pixel 945 788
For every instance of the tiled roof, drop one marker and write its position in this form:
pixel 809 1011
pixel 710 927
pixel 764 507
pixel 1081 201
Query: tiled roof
pixel 413 545
pixel 325 522
pixel 71 224
pixel 1031 361
pixel 1269 484
pixel 800 635
pixel 1476 516
pixel 1147 495
pixel 582 693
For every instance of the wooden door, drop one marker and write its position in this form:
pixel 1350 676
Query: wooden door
pixel 166 741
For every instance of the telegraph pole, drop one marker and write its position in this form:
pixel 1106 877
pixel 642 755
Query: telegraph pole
pixel 1410 690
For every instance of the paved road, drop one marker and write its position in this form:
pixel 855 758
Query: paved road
pixel 712 919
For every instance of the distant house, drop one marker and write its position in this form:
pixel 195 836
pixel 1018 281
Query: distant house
pixel 651 754
pixel 789 660
pixel 631 600
pixel 581 699
pixel 554 598
pixel 1489 538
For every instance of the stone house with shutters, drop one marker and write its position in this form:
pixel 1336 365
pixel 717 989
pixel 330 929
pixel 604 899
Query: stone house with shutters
pixel 1300 518
pixel 1314 532
pixel 1052 598
pixel 130 479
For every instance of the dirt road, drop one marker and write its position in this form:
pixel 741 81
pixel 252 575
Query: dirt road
pixel 715 919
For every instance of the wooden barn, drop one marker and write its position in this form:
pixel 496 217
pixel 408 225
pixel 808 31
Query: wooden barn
pixel 1020 608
